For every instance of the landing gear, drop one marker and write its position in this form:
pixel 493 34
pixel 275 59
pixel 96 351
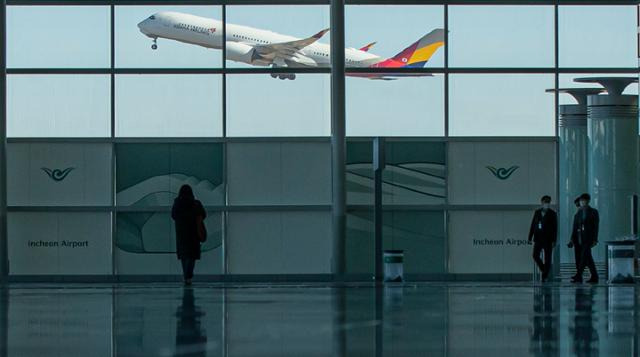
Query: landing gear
pixel 283 76
pixel 154 46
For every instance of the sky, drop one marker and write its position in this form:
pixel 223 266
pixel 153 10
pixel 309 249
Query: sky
pixel 257 105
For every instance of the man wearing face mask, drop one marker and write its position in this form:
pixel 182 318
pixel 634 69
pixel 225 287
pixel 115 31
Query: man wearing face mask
pixel 585 235
pixel 544 232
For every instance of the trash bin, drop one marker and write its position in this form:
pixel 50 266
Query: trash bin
pixel 620 261
pixel 393 262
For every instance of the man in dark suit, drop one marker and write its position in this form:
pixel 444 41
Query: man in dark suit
pixel 584 235
pixel 544 232
pixel 576 248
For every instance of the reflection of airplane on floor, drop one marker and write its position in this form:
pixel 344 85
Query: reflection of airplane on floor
pixel 265 48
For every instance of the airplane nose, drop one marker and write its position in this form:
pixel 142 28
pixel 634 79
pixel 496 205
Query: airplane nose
pixel 143 25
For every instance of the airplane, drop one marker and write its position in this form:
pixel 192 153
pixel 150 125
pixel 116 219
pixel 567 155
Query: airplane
pixel 265 48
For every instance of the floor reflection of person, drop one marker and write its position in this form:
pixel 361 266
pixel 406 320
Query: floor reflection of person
pixel 544 339
pixel 190 337
pixel 585 335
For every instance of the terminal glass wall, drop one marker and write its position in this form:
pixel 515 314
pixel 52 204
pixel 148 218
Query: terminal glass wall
pixel 104 125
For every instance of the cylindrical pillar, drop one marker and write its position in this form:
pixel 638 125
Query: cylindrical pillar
pixel 572 169
pixel 572 162
pixel 613 157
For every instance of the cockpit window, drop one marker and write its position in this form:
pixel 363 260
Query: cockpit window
pixel 152 17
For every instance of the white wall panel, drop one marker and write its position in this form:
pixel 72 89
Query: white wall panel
pixel 501 173
pixel 489 242
pixel 279 173
pixel 279 242
pixel 70 243
pixel 59 174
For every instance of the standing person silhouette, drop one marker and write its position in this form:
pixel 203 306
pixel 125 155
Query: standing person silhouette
pixel 544 233
pixel 188 214
pixel 585 235
pixel 571 244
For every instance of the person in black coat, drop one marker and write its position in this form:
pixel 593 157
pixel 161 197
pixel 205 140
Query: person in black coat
pixel 584 235
pixel 576 248
pixel 544 233
pixel 186 212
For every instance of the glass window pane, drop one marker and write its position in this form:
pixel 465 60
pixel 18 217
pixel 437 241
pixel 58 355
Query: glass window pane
pixel 187 36
pixel 58 106
pixel 501 36
pixel 252 30
pixel 501 105
pixel 421 235
pixel 359 176
pixel 150 175
pixel 360 244
pixel 598 36
pixel 169 105
pixel 35 34
pixel 369 43
pixel 404 107
pixel 414 173
pixel 258 105
pixel 145 243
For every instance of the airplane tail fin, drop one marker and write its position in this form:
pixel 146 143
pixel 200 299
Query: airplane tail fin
pixel 367 47
pixel 418 53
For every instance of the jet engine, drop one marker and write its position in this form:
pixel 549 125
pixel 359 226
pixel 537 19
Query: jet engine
pixel 240 52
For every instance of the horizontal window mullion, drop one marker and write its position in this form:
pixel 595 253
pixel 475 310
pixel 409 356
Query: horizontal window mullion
pixel 105 209
pixel 321 70
pixel 105 70
pixel 311 2
pixel 161 2
pixel 491 2
pixel 111 2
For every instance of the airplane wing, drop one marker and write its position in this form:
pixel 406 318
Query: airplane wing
pixel 285 50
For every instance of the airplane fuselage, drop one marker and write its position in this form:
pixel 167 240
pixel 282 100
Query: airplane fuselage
pixel 241 40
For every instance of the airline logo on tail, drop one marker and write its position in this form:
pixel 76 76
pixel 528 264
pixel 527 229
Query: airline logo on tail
pixel 367 47
pixel 417 54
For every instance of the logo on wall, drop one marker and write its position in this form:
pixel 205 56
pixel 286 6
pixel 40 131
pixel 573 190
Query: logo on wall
pixel 57 174
pixel 502 173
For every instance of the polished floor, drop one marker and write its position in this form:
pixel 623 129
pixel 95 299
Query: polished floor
pixel 424 319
